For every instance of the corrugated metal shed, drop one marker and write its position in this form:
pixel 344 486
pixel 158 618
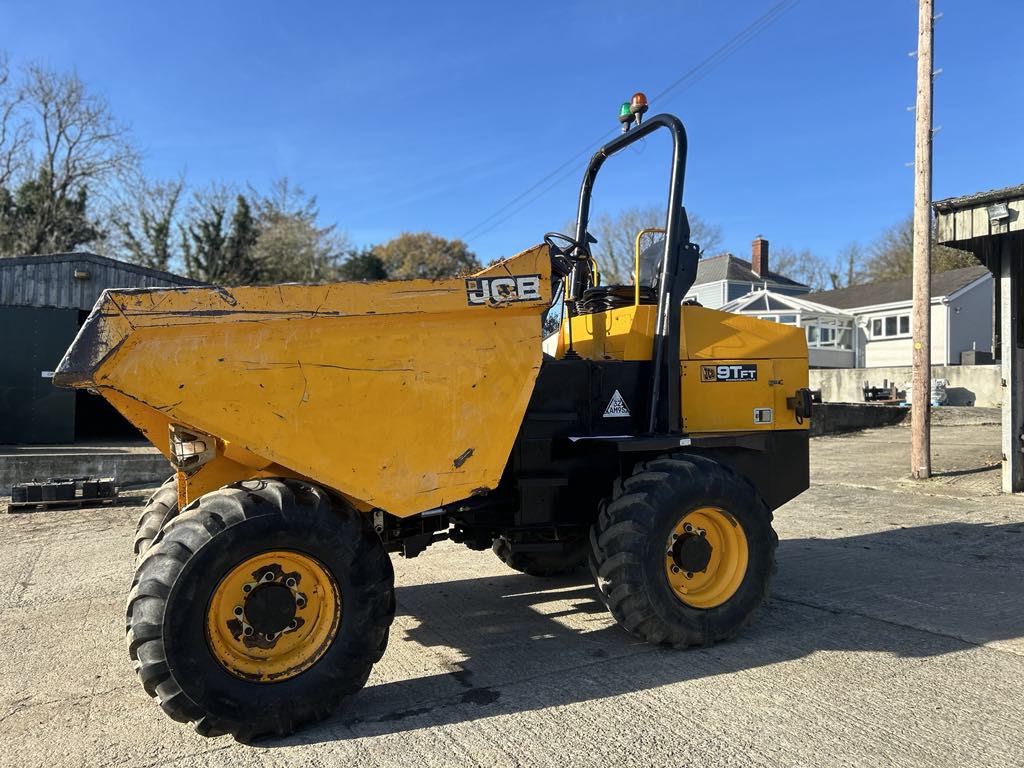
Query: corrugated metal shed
pixel 51 281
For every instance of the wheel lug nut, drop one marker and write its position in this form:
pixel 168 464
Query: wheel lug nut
pixel 238 610
pixel 675 569
pixel 689 574
pixel 247 588
pixel 290 582
pixel 247 631
pixel 268 576
pixel 293 624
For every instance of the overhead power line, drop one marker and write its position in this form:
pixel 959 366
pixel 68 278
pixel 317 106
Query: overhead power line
pixel 541 187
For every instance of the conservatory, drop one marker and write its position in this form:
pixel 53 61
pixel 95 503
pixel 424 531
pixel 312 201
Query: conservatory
pixel 831 333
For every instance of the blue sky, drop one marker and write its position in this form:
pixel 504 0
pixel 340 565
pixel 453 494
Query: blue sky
pixel 432 116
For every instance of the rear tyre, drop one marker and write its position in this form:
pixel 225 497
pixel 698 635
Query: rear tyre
pixel 161 508
pixel 554 563
pixel 259 608
pixel 683 551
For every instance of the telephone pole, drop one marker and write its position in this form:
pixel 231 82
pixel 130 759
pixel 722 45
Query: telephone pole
pixel 921 320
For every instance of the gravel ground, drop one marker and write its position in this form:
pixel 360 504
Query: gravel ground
pixel 894 636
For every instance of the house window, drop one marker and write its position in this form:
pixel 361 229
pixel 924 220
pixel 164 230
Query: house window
pixel 784 319
pixel 826 333
pixel 890 327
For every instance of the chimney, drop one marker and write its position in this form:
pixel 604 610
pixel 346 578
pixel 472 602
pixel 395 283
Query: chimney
pixel 759 257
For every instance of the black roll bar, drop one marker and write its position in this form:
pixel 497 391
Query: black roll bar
pixel 678 268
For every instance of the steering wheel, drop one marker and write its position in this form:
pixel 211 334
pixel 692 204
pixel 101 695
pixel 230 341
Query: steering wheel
pixel 563 256
pixel 574 246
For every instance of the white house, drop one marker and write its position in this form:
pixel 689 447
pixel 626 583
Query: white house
pixel 868 326
pixel 961 311
pixel 723 278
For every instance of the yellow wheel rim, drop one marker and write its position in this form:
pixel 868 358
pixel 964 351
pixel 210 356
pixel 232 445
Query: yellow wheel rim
pixel 273 616
pixel 706 557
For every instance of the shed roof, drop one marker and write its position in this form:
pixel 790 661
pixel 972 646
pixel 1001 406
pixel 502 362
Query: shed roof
pixel 894 291
pixel 48 280
pixel 979 198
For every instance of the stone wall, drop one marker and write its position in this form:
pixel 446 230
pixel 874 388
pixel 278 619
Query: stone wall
pixel 979 385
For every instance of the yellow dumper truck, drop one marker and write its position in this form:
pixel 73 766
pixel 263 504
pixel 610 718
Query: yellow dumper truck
pixel 316 428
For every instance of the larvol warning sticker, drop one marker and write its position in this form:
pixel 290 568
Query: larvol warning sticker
pixel 740 372
pixel 502 290
pixel 616 407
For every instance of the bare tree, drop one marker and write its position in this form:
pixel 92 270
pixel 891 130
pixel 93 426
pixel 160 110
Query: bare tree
pixel 802 266
pixel 892 253
pixel 291 246
pixel 146 222
pixel 80 141
pixel 616 238
pixel 820 273
pixel 15 132
pixel 64 151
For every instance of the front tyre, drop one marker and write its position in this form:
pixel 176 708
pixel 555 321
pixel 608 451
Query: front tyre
pixel 161 508
pixel 259 608
pixel 683 552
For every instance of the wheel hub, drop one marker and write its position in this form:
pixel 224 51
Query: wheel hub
pixel 692 552
pixel 706 557
pixel 270 609
pixel 273 616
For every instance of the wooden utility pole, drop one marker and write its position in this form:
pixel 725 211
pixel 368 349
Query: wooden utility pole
pixel 921 321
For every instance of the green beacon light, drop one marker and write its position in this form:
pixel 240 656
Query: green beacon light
pixel 625 116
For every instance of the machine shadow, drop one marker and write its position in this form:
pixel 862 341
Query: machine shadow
pixel 515 643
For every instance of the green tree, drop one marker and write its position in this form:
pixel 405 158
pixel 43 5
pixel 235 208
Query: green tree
pixel 216 251
pixel 362 264
pixel 32 221
pixel 240 246
pixel 424 255
pixel 203 242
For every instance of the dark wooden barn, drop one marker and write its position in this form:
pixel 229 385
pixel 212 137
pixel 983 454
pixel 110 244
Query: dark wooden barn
pixel 43 302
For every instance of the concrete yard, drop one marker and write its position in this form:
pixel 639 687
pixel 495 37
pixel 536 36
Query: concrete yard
pixel 894 637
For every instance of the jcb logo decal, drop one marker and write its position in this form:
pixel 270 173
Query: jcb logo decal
pixel 742 372
pixel 502 290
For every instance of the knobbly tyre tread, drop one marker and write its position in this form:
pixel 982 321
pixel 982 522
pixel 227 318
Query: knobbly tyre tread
pixel 640 514
pixel 160 508
pixel 541 564
pixel 370 606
